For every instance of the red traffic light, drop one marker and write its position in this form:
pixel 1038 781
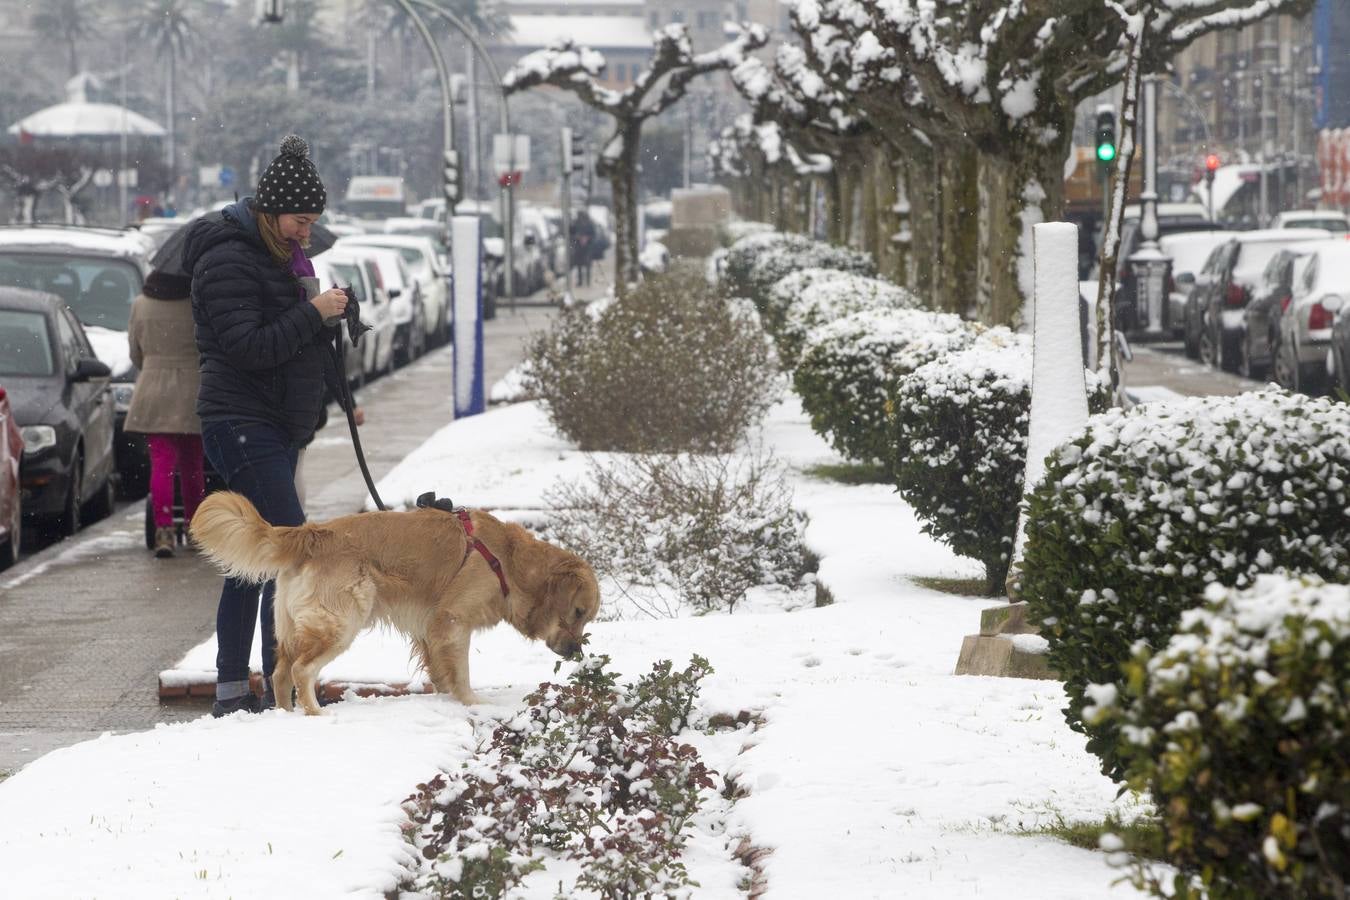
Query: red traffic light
pixel 1211 162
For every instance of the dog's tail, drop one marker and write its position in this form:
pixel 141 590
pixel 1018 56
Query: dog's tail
pixel 236 538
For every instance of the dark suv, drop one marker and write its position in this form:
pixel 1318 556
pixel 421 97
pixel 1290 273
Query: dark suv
pixel 97 272
pixel 1231 277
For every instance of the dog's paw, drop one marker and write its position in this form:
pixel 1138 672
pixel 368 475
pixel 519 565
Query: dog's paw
pixel 468 698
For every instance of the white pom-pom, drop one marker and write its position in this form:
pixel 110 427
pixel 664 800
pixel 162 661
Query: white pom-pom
pixel 294 145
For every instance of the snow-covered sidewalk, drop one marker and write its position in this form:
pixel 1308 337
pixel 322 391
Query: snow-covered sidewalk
pixel 875 773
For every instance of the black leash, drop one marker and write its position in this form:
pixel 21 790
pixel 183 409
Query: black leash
pixel 338 352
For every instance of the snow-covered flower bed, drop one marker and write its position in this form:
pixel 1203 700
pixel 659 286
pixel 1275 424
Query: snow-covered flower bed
pixel 756 262
pixel 848 368
pixel 1135 517
pixel 959 445
pixel 815 297
pixel 675 535
pixel 1239 728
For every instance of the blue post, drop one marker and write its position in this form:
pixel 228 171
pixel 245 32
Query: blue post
pixel 467 269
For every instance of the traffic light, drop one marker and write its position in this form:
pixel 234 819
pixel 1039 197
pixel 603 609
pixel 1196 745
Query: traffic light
pixel 451 185
pixel 1211 166
pixel 1106 133
pixel 578 157
pixel 271 11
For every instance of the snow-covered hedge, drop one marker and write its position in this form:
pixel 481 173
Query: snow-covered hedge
pixel 672 366
pixel 1239 729
pixel 756 262
pixel 731 232
pixel 959 446
pixel 813 297
pixel 1140 513
pixel 686 533
pixel 848 368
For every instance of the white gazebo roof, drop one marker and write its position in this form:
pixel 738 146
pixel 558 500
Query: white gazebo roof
pixel 84 119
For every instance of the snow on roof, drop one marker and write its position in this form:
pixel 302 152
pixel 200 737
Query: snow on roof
pixel 596 32
pixel 105 239
pixel 78 119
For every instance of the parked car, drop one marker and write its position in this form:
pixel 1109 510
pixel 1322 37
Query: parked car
pixel 1214 309
pixel 525 260
pixel 548 233
pixel 11 491
pixel 1178 218
pixel 61 399
pixel 1271 299
pixel 1325 219
pixel 374 353
pixel 426 262
pixel 98 272
pixel 158 229
pixel 1188 251
pixel 406 310
pixel 1320 292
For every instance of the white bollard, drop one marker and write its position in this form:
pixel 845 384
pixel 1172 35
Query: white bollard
pixel 466 270
pixel 1058 391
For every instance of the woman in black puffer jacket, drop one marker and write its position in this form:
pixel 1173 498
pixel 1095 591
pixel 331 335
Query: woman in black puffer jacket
pixel 260 337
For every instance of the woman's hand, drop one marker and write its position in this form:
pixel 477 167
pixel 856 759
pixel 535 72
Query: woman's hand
pixel 330 303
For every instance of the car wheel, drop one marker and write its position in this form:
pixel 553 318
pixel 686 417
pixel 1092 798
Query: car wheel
pixel 9 553
pixel 402 354
pixel 1192 345
pixel 1229 356
pixel 68 524
pixel 1208 350
pixel 1286 370
pixel 1246 368
pixel 100 506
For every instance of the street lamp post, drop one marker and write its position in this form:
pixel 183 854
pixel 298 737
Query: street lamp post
pixel 1150 264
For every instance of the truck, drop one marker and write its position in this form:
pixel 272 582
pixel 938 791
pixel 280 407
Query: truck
pixel 376 197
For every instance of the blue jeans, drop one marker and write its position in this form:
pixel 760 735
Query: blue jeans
pixel 258 461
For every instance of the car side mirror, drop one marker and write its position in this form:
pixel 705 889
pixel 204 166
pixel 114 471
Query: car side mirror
pixel 394 293
pixel 87 369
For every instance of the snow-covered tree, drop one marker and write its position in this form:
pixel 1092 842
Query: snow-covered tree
pixel 1002 77
pixel 673 66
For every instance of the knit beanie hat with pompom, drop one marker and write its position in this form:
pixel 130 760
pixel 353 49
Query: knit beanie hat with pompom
pixel 290 183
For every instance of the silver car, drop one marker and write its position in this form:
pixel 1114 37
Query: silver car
pixel 1305 330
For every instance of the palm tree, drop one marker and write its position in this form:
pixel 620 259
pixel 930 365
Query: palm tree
pixel 166 26
pixel 68 21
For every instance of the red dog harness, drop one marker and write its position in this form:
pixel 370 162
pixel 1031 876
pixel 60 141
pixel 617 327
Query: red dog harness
pixel 474 543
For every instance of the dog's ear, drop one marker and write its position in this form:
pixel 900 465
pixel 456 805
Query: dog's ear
pixel 571 586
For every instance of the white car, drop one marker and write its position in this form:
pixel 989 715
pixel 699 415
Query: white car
pixel 425 260
pixel 1305 328
pixel 375 353
pixel 1329 220
pixel 405 306
pixel 1188 251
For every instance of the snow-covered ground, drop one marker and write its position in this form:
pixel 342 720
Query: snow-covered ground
pixel 876 772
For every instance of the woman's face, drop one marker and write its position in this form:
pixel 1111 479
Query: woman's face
pixel 295 226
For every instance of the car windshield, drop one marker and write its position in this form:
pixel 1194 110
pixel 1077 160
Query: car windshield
pixel 98 290
pixel 1252 258
pixel 25 346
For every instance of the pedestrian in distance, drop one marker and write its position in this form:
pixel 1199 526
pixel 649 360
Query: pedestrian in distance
pixel 261 330
pixel 583 246
pixel 163 406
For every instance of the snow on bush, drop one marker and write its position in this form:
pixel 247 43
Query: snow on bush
pixel 655 258
pixel 1239 729
pixel 756 262
pixel 672 366
pixel 958 446
pixel 731 232
pixel 849 367
pixel 686 533
pixel 814 297
pixel 1136 516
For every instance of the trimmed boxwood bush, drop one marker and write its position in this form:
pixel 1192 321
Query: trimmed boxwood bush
pixel 848 368
pixel 1139 514
pixel 670 367
pixel 958 446
pixel 755 262
pixel 1239 729
pixel 818 297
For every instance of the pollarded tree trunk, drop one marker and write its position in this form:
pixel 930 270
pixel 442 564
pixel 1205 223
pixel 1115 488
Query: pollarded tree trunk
pixel 1015 194
pixel 958 232
pixel 623 172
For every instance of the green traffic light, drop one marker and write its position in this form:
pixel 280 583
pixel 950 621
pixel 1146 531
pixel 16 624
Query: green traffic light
pixel 1106 152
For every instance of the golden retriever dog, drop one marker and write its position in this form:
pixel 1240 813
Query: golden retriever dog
pixel 417 571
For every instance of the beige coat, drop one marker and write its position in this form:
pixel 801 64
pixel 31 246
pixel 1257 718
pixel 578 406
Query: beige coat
pixel 164 349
